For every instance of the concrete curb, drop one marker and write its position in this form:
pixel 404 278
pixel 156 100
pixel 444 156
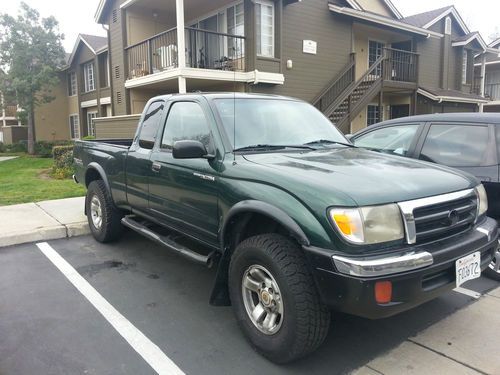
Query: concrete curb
pixel 43 221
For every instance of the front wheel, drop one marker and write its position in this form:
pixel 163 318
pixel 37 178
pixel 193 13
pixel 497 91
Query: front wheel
pixel 275 299
pixel 103 217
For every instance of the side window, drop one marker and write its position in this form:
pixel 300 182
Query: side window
pixel 186 121
pixel 456 145
pixel 394 140
pixel 150 125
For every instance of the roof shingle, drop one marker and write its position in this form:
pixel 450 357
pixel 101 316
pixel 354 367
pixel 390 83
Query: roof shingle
pixel 96 42
pixel 424 18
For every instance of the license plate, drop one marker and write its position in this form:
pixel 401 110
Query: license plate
pixel 468 268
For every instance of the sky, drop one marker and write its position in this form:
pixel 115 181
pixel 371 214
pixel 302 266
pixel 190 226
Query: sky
pixel 77 16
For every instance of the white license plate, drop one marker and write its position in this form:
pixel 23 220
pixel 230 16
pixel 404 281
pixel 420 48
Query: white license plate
pixel 468 268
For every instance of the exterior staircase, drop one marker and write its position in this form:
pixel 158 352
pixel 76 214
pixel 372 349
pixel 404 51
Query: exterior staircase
pixel 344 98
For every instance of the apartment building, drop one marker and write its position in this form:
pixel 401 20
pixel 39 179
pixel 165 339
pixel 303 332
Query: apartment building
pixel 358 61
pixel 82 94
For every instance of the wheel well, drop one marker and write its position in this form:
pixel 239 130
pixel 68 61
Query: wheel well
pixel 239 228
pixel 91 175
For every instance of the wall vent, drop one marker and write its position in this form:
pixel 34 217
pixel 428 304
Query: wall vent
pixel 118 97
pixel 117 72
pixel 447 26
pixel 115 15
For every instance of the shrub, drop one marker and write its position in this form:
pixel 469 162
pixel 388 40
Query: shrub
pixel 44 148
pixel 88 138
pixel 63 162
pixel 13 148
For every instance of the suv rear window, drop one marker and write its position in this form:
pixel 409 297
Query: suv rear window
pixel 456 145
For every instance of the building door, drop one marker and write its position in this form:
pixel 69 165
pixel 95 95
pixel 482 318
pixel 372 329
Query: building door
pixel 401 110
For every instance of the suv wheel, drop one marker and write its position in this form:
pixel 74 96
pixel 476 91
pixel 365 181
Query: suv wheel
pixel 275 299
pixel 104 219
pixel 493 270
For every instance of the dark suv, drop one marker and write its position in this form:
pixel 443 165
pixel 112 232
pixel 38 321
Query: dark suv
pixel 467 141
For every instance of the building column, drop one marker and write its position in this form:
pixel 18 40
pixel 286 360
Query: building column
pixel 4 123
pixel 181 43
pixel 483 80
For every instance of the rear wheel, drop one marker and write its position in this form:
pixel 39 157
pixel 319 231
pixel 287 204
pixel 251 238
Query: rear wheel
pixel 103 217
pixel 275 299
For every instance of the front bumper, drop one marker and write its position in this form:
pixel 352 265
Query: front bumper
pixel 350 287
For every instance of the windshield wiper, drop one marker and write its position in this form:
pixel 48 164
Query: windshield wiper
pixel 328 141
pixel 272 147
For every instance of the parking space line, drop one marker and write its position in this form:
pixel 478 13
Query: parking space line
pixel 148 350
pixel 468 292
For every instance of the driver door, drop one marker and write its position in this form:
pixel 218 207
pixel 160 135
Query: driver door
pixel 183 193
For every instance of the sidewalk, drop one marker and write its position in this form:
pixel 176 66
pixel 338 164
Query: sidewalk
pixel 466 342
pixel 42 221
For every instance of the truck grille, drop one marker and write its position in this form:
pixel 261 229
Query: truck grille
pixel 440 216
pixel 445 219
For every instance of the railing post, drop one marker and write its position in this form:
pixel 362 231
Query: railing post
pixel 150 57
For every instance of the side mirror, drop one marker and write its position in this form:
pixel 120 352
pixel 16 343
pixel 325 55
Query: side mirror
pixel 190 150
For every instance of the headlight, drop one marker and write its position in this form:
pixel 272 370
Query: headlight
pixel 369 225
pixel 483 200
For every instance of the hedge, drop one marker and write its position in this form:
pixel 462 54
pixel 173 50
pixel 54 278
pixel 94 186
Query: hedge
pixel 63 162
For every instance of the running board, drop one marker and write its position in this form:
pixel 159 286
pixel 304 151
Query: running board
pixel 169 243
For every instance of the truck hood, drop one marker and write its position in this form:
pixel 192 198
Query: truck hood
pixel 353 176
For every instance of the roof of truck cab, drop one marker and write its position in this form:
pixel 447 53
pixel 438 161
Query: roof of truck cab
pixel 472 118
pixel 226 95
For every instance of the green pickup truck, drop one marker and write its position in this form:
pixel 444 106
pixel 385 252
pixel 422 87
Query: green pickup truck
pixel 297 220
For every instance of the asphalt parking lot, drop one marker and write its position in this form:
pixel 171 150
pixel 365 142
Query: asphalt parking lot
pixel 48 327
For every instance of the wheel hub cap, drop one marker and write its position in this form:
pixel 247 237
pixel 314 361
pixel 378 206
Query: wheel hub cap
pixel 96 212
pixel 262 299
pixel 495 263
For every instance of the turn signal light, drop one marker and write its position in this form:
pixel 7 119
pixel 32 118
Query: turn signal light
pixel 383 291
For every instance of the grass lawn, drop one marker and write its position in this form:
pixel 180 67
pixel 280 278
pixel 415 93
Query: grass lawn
pixel 27 179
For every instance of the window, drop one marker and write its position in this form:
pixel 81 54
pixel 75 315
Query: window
pixel 465 66
pixel 394 139
pixel 90 123
pixel 372 115
pixel 74 126
pixel 456 145
pixel 264 18
pixel 186 121
pixel 88 76
pixel 150 125
pixel 236 26
pixel 72 85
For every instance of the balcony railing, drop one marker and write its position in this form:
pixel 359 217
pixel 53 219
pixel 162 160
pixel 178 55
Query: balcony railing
pixel 204 50
pixel 492 91
pixel 10 110
pixel 401 66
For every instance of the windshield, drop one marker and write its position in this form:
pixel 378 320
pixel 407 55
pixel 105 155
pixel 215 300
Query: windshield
pixel 274 122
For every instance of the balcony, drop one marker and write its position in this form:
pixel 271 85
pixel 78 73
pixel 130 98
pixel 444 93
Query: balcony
pixel 204 50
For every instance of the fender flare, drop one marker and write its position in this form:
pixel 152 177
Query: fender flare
pixel 266 209
pixel 100 170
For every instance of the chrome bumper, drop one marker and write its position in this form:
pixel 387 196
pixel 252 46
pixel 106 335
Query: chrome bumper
pixel 382 266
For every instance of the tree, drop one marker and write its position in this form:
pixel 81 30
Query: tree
pixel 31 55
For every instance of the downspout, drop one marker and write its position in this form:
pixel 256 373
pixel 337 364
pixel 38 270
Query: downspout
pixel 483 80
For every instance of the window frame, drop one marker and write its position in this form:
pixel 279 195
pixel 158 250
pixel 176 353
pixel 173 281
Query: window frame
pixel 89 77
pixel 137 139
pixel 89 122
pixel 72 84
pixel 171 105
pixel 71 126
pixel 258 34
pixel 380 114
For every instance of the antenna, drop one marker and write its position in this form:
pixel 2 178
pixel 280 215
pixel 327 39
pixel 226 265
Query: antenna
pixel 234 108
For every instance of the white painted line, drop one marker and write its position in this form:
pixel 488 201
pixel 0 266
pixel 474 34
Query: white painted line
pixel 148 350
pixel 467 292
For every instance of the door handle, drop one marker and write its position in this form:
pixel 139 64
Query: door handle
pixel 155 167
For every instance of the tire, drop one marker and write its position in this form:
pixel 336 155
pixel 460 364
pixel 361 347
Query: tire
pixel 493 270
pixel 110 227
pixel 304 321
